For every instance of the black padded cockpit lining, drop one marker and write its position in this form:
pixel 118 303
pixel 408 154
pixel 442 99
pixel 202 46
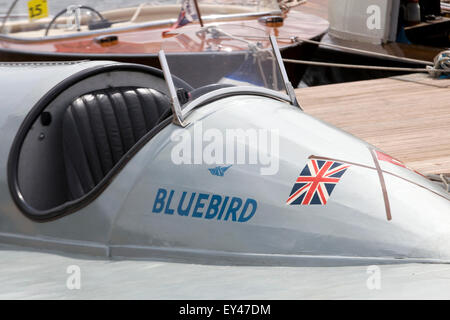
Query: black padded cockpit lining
pixel 101 126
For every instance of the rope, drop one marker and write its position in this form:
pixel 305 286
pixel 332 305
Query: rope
pixel 369 53
pixel 446 182
pixel 355 66
pixel 286 5
pixel 13 4
pixel 441 178
pixel 441 65
pixel 137 12
pixel 347 49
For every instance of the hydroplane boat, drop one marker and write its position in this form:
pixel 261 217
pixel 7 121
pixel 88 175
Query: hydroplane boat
pixel 123 160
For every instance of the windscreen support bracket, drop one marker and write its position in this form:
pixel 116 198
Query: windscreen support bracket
pixel 175 105
pixel 178 115
pixel 287 84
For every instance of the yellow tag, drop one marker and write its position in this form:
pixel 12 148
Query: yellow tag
pixel 37 9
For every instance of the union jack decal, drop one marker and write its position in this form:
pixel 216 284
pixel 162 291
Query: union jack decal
pixel 316 182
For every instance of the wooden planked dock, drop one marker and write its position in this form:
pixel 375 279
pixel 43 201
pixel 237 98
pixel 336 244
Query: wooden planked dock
pixel 406 116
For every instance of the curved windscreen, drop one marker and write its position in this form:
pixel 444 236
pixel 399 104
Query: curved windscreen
pixel 223 55
pixel 31 19
pixel 222 60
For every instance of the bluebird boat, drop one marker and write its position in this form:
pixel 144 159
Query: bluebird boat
pixel 124 160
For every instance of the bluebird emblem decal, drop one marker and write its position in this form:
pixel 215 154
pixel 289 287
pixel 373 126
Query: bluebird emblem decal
pixel 219 171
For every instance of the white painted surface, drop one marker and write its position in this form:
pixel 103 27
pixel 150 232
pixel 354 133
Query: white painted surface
pixel 352 224
pixel 373 21
pixel 33 275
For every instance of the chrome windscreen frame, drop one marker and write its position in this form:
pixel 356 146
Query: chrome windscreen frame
pixel 287 84
pixel 180 114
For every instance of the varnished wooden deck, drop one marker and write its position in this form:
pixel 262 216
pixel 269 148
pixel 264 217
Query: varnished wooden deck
pixel 407 117
pixel 316 7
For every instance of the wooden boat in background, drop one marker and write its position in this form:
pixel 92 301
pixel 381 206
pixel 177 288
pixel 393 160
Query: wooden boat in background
pixel 135 33
pixel 416 45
